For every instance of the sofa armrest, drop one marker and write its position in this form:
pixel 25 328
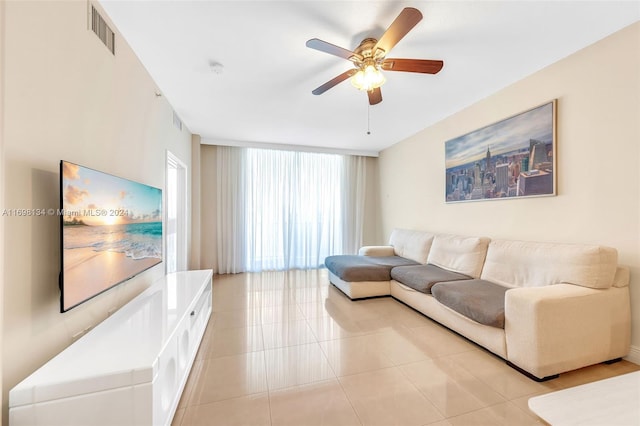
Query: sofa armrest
pixel 562 327
pixel 622 277
pixel 376 251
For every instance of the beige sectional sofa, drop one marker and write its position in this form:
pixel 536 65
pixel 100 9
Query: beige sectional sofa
pixel 545 308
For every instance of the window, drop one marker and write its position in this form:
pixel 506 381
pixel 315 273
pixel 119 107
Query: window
pixel 176 220
pixel 285 209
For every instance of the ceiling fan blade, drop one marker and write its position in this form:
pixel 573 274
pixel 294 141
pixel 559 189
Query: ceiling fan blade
pixel 406 20
pixel 334 81
pixel 426 66
pixel 375 96
pixel 332 49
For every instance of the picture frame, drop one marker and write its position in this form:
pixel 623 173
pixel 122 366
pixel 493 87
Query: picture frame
pixel 512 158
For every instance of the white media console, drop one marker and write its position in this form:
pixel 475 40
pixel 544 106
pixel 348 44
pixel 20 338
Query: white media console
pixel 130 369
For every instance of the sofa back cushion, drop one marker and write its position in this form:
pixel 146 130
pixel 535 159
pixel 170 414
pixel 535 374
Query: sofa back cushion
pixel 533 264
pixel 464 255
pixel 412 245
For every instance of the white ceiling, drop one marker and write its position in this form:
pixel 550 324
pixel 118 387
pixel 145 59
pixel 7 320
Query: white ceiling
pixel 264 94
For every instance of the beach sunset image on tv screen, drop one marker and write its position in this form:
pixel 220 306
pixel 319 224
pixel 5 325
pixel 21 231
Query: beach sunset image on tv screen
pixel 111 231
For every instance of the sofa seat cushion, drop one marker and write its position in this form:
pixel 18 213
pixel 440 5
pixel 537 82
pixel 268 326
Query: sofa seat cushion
pixel 423 277
pixel 354 268
pixel 479 300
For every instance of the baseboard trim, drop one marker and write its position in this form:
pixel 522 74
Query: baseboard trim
pixel 634 355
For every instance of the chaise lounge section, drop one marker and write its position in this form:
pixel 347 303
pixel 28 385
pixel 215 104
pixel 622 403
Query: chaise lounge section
pixel 545 308
pixel 369 273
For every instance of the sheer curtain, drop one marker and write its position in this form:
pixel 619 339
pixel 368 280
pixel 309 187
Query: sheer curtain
pixel 286 209
pixel 230 210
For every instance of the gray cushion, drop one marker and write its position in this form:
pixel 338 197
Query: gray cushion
pixel 423 277
pixel 354 268
pixel 480 300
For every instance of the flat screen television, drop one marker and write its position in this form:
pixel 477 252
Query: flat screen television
pixel 111 230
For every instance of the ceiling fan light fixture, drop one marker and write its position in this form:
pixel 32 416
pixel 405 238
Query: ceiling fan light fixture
pixel 368 78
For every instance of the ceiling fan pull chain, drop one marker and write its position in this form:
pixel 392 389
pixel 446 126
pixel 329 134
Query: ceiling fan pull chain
pixel 368 119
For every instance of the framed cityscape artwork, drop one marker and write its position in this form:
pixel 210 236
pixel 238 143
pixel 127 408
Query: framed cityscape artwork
pixel 512 158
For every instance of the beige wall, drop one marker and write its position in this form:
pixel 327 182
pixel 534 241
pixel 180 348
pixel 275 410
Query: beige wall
pixel 66 97
pixel 2 73
pixel 372 230
pixel 208 205
pixel 598 92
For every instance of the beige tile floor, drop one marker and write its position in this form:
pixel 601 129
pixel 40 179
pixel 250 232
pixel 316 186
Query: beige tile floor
pixel 287 348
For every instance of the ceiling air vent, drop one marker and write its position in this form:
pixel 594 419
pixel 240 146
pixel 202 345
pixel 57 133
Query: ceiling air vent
pixel 102 30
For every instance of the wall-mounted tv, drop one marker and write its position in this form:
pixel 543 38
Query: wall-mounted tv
pixel 111 230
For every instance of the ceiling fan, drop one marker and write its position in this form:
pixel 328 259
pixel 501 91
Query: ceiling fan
pixel 370 57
